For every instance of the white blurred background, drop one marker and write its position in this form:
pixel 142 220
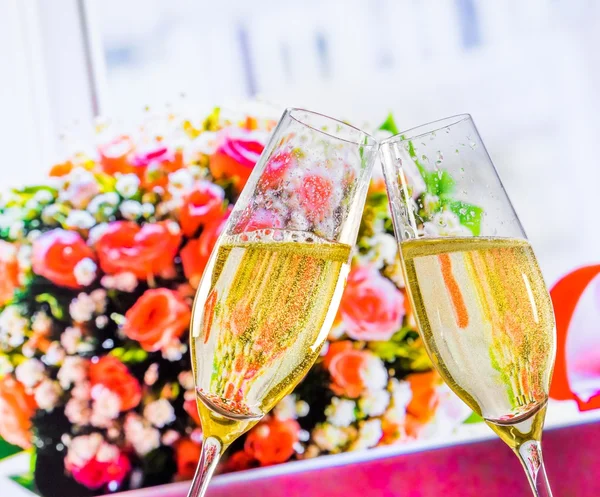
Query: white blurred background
pixel 527 70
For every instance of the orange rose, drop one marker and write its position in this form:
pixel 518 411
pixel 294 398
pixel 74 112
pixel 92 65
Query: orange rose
pixel 202 205
pixel 9 271
pixel 114 375
pixel 424 402
pixel 239 461
pixel 187 455
pixel 61 169
pixel 158 317
pixel 372 308
pixel 195 255
pixel 144 251
pixel 346 365
pixel 154 165
pixel 235 159
pixel 55 255
pixel 16 410
pixel 114 156
pixel 272 441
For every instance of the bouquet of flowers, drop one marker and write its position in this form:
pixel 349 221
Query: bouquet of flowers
pixel 98 268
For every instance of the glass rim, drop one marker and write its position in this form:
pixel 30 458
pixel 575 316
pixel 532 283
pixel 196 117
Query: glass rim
pixel 427 128
pixel 372 141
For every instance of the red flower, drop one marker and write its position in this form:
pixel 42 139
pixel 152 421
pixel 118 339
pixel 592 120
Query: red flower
pixel 114 155
pixel 315 196
pixel 346 365
pixel 372 308
pixel 191 408
pixel 424 402
pixel 16 410
pixel 235 159
pixel 272 441
pixel 258 220
pixel 9 271
pixel 195 254
pixel 114 375
pixel 144 251
pixel 276 169
pixel 95 473
pixel 239 461
pixel 187 455
pixel 56 253
pixel 154 165
pixel 158 317
pixel 201 206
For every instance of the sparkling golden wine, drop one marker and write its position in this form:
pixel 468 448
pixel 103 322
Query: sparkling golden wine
pixel 267 302
pixel 488 325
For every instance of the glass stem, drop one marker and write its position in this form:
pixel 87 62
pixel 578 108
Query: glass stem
pixel 211 453
pixel 530 455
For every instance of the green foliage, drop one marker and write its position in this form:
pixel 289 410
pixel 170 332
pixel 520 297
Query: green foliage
pixel 131 355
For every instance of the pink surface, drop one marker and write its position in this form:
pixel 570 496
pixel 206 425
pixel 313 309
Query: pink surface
pixel 480 469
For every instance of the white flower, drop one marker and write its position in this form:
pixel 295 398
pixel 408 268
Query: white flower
pixel 41 323
pixel 107 202
pixel 286 408
pixel 24 256
pixel 107 453
pixel 170 437
pixel 374 403
pixel 174 351
pixel 445 223
pixel 72 371
pixel 341 412
pixel 151 374
pixel 330 438
pixel 180 181
pixel 431 203
pixel 147 209
pixel 124 282
pixel 128 185
pixel 159 413
pixel 302 408
pixel 83 448
pixel 6 366
pixel 374 374
pixel 33 235
pixel 186 380
pixel 370 434
pixel 43 197
pixel 30 372
pixel 206 143
pixel 82 308
pixel 106 406
pixel 47 394
pixel 96 232
pixel 78 411
pixel 131 209
pixel 70 339
pixel 85 271
pixel 382 252
pixel 142 437
pixel 16 230
pixel 79 219
pixel 99 298
pixel 82 187
pixel 401 393
pixel 49 214
pixel 54 355
pixel 82 391
pixel 12 327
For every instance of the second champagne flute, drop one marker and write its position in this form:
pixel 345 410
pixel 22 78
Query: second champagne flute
pixel 479 297
pixel 272 286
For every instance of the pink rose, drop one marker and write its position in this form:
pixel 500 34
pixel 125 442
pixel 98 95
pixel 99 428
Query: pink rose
pixel 372 308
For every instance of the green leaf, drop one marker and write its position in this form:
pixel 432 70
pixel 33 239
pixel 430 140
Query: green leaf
pixel 26 481
pixel 473 419
pixel 132 355
pixel 470 215
pixel 55 309
pixel 389 125
pixel 7 450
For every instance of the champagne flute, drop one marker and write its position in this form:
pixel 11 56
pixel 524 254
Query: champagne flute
pixel 272 286
pixel 479 297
